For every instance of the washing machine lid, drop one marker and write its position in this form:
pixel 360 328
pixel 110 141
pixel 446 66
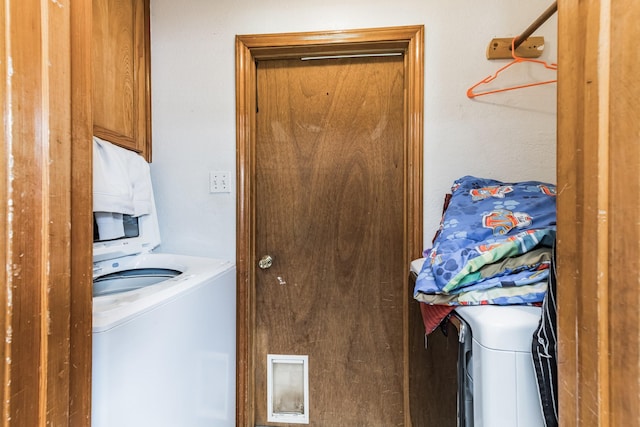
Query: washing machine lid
pixel 113 309
pixel 148 238
pixel 502 327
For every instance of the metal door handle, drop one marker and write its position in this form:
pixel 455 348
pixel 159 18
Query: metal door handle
pixel 265 262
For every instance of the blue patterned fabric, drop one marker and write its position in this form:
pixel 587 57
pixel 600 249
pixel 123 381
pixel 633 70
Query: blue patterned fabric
pixel 486 223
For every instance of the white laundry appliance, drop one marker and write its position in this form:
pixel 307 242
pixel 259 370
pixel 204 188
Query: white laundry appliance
pixel 164 334
pixel 496 377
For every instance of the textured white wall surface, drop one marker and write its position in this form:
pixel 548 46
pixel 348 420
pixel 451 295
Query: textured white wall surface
pixel 509 136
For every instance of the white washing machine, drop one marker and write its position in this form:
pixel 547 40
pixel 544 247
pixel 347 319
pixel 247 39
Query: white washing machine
pixel 499 369
pixel 164 335
pixel 496 377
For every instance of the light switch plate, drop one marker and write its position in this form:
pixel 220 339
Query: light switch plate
pixel 219 182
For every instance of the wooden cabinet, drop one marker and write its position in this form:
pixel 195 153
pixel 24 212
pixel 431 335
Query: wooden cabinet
pixel 121 74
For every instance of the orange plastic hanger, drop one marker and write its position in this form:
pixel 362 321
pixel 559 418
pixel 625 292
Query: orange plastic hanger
pixel 516 60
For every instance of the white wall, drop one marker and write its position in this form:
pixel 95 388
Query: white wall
pixel 509 136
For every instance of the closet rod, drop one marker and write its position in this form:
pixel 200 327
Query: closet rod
pixel 534 26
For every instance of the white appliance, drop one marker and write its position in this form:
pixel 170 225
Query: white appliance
pixel 163 335
pixel 496 377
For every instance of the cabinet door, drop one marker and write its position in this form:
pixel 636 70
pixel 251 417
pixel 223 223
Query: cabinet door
pixel 121 80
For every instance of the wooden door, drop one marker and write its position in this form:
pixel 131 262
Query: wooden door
pixel 250 51
pixel 329 211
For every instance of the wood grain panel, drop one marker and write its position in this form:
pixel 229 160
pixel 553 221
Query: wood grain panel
pixel 598 204
pixel 569 160
pixel 121 83
pixel 81 217
pixel 329 176
pixel 26 242
pixel 624 205
pixel 113 56
pixel 5 226
pixel 433 372
pixel 56 176
pixel 37 195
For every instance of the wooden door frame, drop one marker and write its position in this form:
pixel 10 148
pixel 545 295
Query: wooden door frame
pixel 598 205
pixel 45 225
pixel 408 41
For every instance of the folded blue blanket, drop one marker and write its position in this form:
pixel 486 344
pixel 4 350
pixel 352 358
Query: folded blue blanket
pixel 492 235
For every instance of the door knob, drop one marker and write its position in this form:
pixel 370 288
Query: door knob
pixel 265 262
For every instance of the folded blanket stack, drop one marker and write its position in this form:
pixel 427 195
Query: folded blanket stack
pixel 493 245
